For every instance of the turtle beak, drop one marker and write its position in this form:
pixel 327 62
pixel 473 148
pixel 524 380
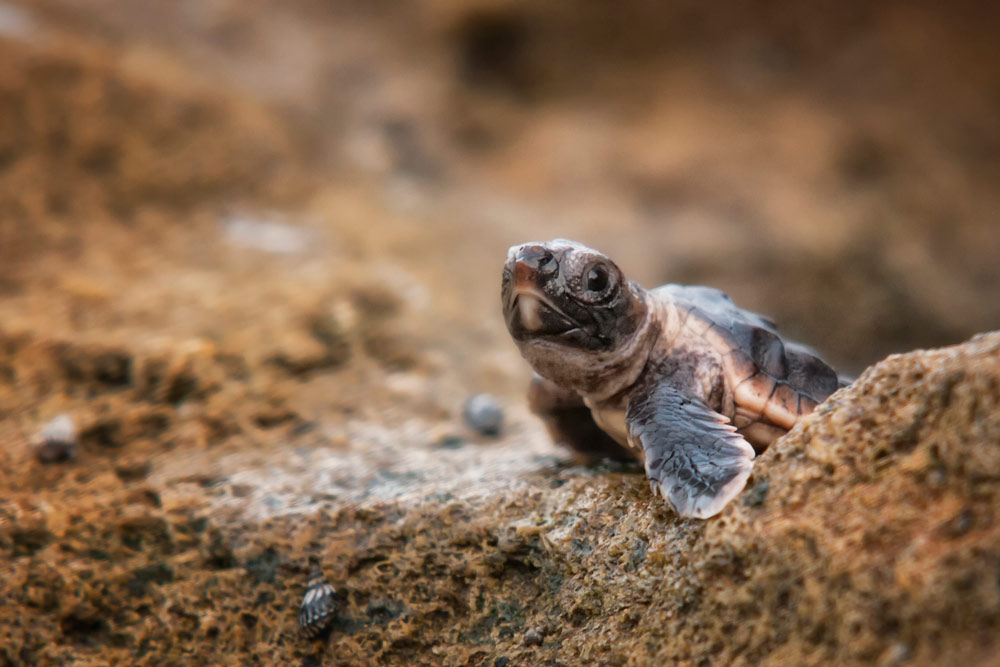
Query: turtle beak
pixel 528 310
pixel 526 267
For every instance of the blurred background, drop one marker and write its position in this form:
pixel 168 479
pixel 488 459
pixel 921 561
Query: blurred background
pixel 253 251
pixel 190 168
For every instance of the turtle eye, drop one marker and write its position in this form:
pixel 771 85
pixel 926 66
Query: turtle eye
pixel 597 279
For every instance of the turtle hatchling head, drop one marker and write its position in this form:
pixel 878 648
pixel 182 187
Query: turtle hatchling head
pixel 564 302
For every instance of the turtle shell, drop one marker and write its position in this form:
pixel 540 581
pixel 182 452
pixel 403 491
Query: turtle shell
pixel 772 380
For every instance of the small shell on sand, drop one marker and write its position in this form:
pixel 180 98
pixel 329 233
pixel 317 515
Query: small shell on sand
pixel 318 605
pixel 56 441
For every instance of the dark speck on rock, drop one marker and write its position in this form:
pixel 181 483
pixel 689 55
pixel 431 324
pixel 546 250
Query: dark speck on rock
pixel 483 414
pixel 757 494
pixel 502 661
pixel 384 611
pixel 139 582
pixel 263 567
pixel 132 469
pixel 450 442
pixel 533 637
pixel 959 525
pixel 639 550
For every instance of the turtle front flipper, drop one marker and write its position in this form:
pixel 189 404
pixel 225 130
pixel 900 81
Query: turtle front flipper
pixel 693 456
pixel 569 422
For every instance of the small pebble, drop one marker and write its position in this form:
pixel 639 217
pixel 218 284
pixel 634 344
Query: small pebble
pixel 533 637
pixel 318 605
pixel 483 414
pixel 896 654
pixel 57 440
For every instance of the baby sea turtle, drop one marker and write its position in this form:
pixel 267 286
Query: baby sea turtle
pixel 678 376
pixel 318 605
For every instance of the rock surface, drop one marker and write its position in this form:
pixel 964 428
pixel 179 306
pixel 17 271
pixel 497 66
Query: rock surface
pixel 870 533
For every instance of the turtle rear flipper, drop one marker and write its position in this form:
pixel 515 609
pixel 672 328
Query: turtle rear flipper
pixel 693 456
pixel 569 422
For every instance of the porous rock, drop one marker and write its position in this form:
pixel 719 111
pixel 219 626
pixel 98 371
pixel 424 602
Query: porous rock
pixel 877 538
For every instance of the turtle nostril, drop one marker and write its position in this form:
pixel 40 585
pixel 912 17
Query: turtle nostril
pixel 537 257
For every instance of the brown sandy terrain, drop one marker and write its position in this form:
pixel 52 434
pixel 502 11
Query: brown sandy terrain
pixel 253 250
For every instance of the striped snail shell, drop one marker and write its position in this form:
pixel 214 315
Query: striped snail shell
pixel 318 605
